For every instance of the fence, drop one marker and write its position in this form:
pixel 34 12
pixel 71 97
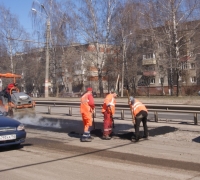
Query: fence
pixel 155 111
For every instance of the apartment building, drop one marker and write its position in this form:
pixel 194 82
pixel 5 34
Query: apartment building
pixel 82 67
pixel 162 70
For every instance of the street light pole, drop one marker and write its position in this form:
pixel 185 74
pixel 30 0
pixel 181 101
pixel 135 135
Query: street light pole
pixel 122 83
pixel 46 83
pixel 123 56
pixel 46 91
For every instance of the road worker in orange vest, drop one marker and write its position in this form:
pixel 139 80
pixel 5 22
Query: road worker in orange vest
pixel 140 113
pixel 108 111
pixel 86 108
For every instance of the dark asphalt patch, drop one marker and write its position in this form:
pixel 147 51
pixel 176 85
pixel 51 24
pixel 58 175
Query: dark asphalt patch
pixel 197 139
pixel 161 130
pixel 96 132
pixel 74 129
pixel 108 154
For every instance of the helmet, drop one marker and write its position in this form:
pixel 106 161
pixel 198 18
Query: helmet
pixel 89 89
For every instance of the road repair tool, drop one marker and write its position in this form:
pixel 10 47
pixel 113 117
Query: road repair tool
pixel 111 116
pixel 21 103
pixel 133 119
pixel 93 119
pixel 117 82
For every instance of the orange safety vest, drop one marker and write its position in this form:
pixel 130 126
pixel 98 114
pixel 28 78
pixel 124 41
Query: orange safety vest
pixel 137 107
pixel 84 108
pixel 109 100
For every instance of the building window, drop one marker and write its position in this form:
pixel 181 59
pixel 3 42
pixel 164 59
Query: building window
pixel 161 68
pixel 152 80
pixel 161 80
pixel 191 40
pixel 149 56
pixel 149 68
pixel 161 56
pixel 184 65
pixel 192 66
pixel 160 44
pixel 191 54
pixel 193 79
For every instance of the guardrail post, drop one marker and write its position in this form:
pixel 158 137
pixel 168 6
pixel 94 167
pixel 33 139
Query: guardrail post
pixel 195 119
pixel 122 114
pixel 49 109
pixel 94 112
pixel 156 116
pixel 70 111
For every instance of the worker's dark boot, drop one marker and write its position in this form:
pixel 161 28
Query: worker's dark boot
pixel 86 137
pixel 146 136
pixel 90 137
pixel 106 137
pixel 135 138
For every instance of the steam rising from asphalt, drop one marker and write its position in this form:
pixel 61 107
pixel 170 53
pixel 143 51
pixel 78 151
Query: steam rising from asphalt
pixel 37 121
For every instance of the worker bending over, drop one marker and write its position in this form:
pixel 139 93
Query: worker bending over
pixel 140 113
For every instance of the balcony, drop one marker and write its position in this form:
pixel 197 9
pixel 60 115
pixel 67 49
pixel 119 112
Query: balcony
pixel 149 73
pixel 149 61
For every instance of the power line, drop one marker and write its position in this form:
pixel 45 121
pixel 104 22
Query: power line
pixel 26 40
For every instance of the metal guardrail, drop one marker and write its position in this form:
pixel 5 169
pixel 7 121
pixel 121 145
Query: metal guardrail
pixel 124 105
pixel 155 111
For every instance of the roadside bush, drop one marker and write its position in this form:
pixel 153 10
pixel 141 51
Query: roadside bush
pixel 190 90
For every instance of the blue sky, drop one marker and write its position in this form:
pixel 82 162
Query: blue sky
pixel 22 9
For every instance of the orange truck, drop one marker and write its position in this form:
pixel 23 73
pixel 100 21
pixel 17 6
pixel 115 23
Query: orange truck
pixel 21 103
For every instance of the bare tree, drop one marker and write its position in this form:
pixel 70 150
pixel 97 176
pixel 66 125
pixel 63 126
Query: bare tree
pixel 94 25
pixel 61 36
pixel 168 22
pixel 10 30
pixel 126 31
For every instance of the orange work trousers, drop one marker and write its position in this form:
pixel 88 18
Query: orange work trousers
pixel 87 120
pixel 107 124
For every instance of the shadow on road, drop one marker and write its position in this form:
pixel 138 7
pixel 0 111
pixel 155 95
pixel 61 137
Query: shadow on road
pixel 12 147
pixel 197 139
pixel 152 132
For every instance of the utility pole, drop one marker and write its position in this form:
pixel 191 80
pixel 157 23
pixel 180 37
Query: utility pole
pixel 46 83
pixel 122 84
pixel 46 92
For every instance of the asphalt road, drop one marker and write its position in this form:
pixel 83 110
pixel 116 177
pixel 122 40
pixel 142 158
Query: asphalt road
pixel 53 151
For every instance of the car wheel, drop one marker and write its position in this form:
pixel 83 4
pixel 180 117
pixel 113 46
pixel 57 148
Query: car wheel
pixel 10 112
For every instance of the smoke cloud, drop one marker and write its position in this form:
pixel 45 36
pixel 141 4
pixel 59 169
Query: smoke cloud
pixel 37 121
